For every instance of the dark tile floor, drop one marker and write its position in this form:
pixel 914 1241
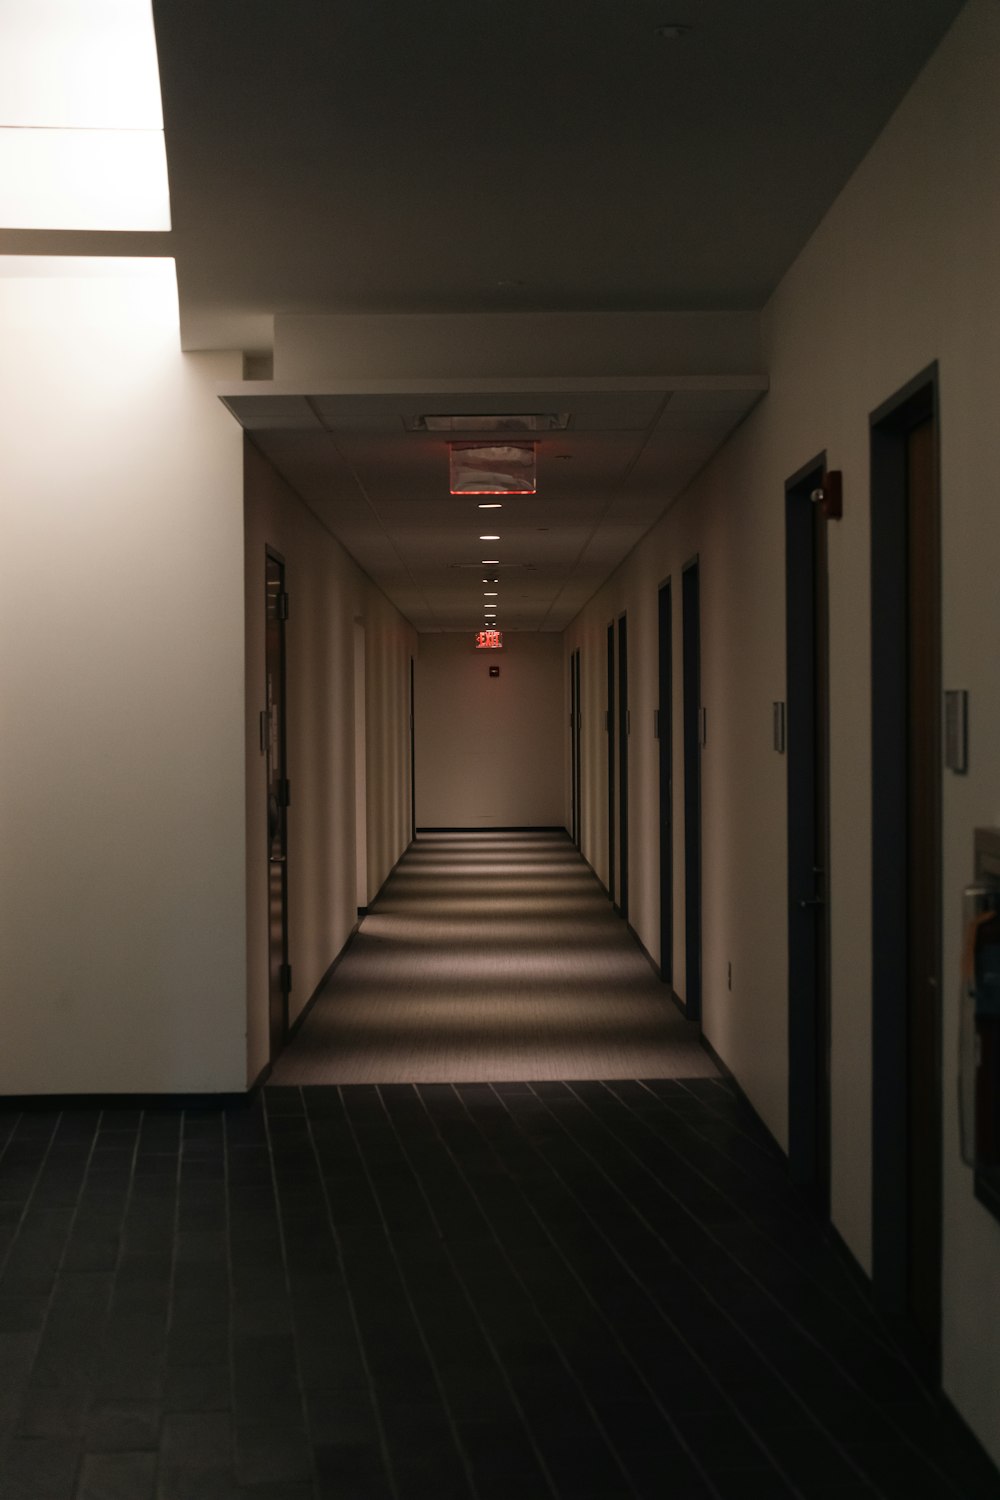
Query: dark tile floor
pixel 503 1292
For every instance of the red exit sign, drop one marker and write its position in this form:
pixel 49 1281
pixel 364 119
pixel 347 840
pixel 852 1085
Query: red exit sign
pixel 489 640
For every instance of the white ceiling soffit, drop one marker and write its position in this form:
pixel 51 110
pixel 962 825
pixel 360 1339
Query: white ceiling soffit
pixel 630 448
pixel 533 156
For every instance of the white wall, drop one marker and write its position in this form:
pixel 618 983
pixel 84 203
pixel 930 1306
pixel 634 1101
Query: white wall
pixel 122 923
pixel 490 751
pixel 461 346
pixel 328 595
pixel 902 272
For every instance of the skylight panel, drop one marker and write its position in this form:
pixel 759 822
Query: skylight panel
pixel 81 121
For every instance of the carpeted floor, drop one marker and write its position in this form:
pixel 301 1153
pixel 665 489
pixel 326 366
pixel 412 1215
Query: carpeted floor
pixel 492 957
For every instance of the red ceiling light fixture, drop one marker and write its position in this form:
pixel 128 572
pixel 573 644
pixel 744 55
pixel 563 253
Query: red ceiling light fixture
pixel 492 469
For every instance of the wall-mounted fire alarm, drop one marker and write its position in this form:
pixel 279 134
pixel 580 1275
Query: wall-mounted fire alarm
pixel 494 671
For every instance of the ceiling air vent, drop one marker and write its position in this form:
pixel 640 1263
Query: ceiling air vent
pixel 545 421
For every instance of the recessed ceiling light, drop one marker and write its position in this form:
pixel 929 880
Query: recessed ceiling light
pixel 491 593
pixel 491 562
pixel 491 505
pixel 489 538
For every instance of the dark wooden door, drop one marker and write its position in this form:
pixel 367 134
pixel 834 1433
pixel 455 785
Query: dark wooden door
pixel 692 730
pixel 665 734
pixel 808 738
pixel 623 732
pixel 609 719
pixel 923 885
pixel 577 728
pixel 574 831
pixel 906 865
pixel 279 973
pixel 413 758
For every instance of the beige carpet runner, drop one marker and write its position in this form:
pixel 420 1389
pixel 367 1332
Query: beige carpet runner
pixel 490 957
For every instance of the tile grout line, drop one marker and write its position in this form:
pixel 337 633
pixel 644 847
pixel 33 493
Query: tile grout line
pixel 460 1281
pixel 276 1194
pixel 598 1424
pixel 34 1188
pixel 665 1317
pixel 654 1397
pixel 173 1272
pixel 126 1202
pixel 349 1295
pixel 767 1154
pixel 58 1269
pixel 772 1298
pixel 231 1331
pixel 847 1295
pixel 888 1347
pixel 751 1222
pixel 679 1264
pixel 442 1392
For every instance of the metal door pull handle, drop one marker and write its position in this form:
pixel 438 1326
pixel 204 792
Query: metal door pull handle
pixel 813 901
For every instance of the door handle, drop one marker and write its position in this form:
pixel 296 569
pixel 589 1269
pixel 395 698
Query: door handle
pixel 276 859
pixel 813 901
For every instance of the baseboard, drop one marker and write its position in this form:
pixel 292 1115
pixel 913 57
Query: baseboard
pixel 898 1329
pixel 494 828
pixel 734 1083
pixel 297 1024
pixel 56 1103
pixel 600 882
pixel 260 1080
pixel 852 1265
pixel 363 911
pixel 385 882
pixel 644 951
pixel 954 1415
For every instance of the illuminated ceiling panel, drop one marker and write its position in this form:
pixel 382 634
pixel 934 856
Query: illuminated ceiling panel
pixel 81 124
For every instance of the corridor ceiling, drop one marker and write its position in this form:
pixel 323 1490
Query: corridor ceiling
pixel 510 161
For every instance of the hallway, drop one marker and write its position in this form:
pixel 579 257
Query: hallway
pixel 492 956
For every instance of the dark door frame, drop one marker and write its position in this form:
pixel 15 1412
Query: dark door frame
pixel 623 733
pixel 413 760
pixel 890 426
pixel 572 748
pixel 277 862
pixel 577 765
pixel 807 765
pixel 665 736
pixel 691 692
pixel 609 721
